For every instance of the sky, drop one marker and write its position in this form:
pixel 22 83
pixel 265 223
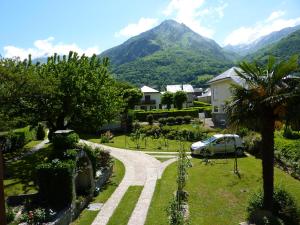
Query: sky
pixel 43 27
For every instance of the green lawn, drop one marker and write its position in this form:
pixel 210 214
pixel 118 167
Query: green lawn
pixel 125 208
pixel 87 216
pixel 216 195
pixel 20 152
pixel 124 141
pixel 22 173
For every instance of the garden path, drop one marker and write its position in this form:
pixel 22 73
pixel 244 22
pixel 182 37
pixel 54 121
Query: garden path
pixel 141 169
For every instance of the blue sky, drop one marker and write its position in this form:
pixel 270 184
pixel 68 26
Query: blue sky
pixel 92 26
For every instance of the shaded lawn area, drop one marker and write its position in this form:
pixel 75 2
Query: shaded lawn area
pixel 148 144
pixel 21 173
pixel 125 208
pixel 20 152
pixel 216 195
pixel 87 216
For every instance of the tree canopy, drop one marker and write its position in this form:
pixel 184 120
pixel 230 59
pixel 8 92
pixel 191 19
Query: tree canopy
pixel 179 98
pixel 70 91
pixel 167 99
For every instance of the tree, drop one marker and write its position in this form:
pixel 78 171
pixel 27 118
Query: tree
pixel 132 97
pixel 261 102
pixel 167 99
pixel 179 98
pixel 70 91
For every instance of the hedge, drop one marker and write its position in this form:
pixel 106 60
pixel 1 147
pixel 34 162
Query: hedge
pixel 55 182
pixel 18 138
pixel 200 104
pixel 142 115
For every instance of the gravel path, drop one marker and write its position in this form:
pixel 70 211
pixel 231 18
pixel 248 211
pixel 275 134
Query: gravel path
pixel 141 169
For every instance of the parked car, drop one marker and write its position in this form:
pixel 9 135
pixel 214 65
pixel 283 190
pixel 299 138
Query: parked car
pixel 219 143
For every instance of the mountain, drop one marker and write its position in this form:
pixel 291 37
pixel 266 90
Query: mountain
pixel 282 49
pixel 245 49
pixel 167 54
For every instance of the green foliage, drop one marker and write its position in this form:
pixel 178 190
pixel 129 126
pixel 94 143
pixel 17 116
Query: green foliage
pixel 162 121
pixel 179 119
pixel 132 97
pixel 150 119
pixel 187 119
pixel 284 208
pixel 16 139
pixel 62 142
pixel 105 137
pixel 36 216
pixel 40 132
pixel 287 152
pixel 175 213
pixel 200 104
pixel 74 91
pixel 10 214
pixel 252 143
pixel 179 98
pixel 201 81
pixel 55 181
pixel 167 99
pixel 103 159
pixel 171 120
pixel 142 115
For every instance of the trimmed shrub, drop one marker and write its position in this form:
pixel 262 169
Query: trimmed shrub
pixel 55 182
pixel 179 119
pixel 62 142
pixel 171 120
pixel 200 104
pixel 142 115
pixel 284 208
pixel 252 143
pixel 40 132
pixel 162 121
pixel 150 119
pixel 187 119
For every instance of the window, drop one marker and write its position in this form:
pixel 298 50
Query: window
pixel 216 109
pixel 143 107
pixel 147 98
pixel 152 107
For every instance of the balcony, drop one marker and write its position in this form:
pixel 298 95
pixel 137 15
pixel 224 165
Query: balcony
pixel 148 102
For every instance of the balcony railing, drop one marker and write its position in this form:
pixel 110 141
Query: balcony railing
pixel 148 102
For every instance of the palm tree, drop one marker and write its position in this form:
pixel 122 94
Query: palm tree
pixel 259 103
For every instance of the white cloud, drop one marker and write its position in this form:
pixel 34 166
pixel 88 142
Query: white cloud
pixel 190 13
pixel 246 35
pixel 275 15
pixel 46 47
pixel 136 28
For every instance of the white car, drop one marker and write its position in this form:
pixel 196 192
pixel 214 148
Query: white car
pixel 219 143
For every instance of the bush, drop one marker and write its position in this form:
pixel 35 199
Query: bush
pixel 252 143
pixel 162 121
pixel 10 214
pixel 55 181
pixel 103 159
pixel 40 132
pixel 290 134
pixel 142 115
pixel 106 137
pixel 179 119
pixel 284 208
pixel 63 142
pixel 171 120
pixel 150 119
pixel 37 216
pixel 200 104
pixel 16 139
pixel 187 119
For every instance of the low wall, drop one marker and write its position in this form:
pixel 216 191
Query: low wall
pixel 66 216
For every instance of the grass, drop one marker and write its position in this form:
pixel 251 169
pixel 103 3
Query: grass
pixel 87 216
pixel 124 141
pixel 20 152
pixel 162 159
pixel 216 195
pixel 22 172
pixel 125 208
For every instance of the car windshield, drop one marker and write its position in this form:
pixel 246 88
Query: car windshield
pixel 209 140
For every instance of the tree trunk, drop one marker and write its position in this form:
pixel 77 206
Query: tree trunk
pixel 268 162
pixel 2 199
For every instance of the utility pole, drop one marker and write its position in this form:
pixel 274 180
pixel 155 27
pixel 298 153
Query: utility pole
pixel 2 199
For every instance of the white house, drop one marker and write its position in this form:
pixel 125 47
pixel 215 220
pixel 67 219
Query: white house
pixel 206 96
pixel 187 88
pixel 150 100
pixel 221 92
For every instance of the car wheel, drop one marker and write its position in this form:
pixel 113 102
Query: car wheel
pixel 239 151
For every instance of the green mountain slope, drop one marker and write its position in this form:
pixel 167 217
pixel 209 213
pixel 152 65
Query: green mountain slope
pixel 169 53
pixel 282 49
